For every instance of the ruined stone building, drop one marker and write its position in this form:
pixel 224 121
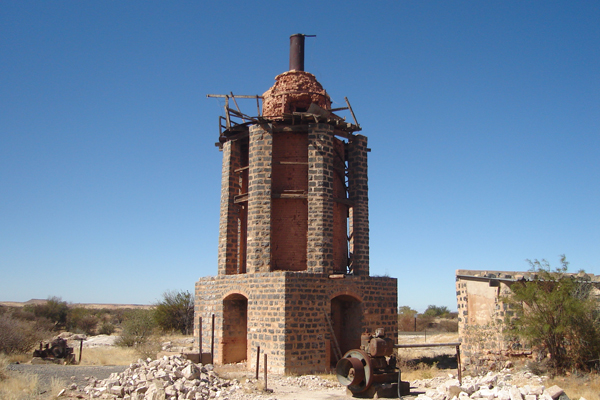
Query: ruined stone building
pixel 481 311
pixel 293 258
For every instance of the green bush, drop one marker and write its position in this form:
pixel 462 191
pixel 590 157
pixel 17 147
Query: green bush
pixel 175 312
pixel 138 326
pixel 88 324
pixel 106 329
pixel 55 310
pixel 558 313
pixel 82 320
pixel 437 311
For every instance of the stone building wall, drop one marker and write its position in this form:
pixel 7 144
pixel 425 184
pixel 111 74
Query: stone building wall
pixel 285 313
pixel 482 314
pixel 480 317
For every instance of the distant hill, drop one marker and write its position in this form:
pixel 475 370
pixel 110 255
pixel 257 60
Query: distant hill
pixel 91 306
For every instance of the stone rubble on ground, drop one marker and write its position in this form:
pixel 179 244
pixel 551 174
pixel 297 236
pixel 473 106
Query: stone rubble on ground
pixel 177 378
pixel 495 385
pixel 171 377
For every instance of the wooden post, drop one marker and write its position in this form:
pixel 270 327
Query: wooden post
pixel 257 361
pixel 266 390
pixel 80 350
pixel 212 341
pixel 200 339
pixel 458 366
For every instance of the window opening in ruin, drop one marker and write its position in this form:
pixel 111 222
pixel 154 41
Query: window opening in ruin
pixel 347 320
pixel 341 205
pixel 242 238
pixel 235 328
pixel 349 267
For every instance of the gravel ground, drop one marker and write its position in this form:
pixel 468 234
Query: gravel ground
pixel 67 373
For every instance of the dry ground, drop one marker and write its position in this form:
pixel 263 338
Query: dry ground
pixel 31 380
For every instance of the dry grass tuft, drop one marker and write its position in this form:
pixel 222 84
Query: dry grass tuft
pixel 56 385
pixel 4 361
pixel 21 358
pixel 587 386
pixel 112 355
pixel 18 387
pixel 420 371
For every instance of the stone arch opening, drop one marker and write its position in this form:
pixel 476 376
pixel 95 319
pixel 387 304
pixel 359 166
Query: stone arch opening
pixel 235 328
pixel 347 321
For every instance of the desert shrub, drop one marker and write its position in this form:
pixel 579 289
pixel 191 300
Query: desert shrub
pixel 74 316
pixel 88 324
pixel 558 312
pixel 424 322
pixel 118 316
pixel 406 319
pixel 106 329
pixel 55 310
pixel 138 326
pixel 175 312
pixel 436 311
pixel 149 348
pixel 82 320
pixel 406 323
pixel 448 325
pixel 18 336
pixel 23 314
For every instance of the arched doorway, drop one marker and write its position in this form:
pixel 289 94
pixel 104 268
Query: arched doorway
pixel 235 328
pixel 346 317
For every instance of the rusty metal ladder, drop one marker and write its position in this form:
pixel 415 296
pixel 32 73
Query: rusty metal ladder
pixel 336 347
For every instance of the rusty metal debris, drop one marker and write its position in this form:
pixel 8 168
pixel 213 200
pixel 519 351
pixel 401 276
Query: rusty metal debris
pixel 372 369
pixel 56 350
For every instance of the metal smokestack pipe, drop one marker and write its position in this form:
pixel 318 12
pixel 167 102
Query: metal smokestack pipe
pixel 297 52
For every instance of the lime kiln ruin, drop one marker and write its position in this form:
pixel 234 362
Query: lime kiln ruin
pixel 293 258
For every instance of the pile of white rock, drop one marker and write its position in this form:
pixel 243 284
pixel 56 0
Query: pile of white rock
pixel 171 377
pixel 493 386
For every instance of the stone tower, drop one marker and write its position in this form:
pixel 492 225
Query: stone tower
pixel 293 260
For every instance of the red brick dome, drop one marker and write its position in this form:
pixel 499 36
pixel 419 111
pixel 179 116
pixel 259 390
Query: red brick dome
pixel 294 91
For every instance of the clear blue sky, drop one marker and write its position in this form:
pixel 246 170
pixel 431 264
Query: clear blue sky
pixel 483 118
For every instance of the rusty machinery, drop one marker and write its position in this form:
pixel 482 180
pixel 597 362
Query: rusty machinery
pixel 372 369
pixel 56 350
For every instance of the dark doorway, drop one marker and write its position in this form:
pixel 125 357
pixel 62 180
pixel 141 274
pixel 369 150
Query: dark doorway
pixel 346 317
pixel 235 328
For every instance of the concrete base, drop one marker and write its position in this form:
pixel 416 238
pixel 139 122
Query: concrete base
pixel 382 390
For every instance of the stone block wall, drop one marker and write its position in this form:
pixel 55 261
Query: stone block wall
pixel 319 258
pixel 358 188
pixel 285 313
pixel 228 226
pixel 259 199
pixel 481 317
pixel 482 314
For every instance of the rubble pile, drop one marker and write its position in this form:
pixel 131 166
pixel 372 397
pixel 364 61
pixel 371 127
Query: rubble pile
pixel 504 385
pixel 171 377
